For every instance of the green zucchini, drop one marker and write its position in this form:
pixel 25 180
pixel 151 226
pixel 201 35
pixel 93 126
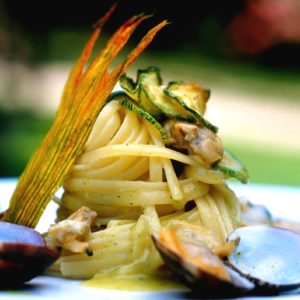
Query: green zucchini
pixel 136 90
pixel 178 100
pixel 193 99
pixel 151 87
pixel 191 94
pixel 232 166
pixel 130 104
pixel 129 86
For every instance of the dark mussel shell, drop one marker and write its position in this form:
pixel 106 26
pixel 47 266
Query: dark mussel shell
pixel 268 256
pixel 201 281
pixel 23 254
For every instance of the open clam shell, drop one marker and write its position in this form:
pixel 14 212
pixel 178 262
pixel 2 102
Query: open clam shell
pixel 268 256
pixel 264 262
pixel 20 234
pixel 255 214
pixel 23 254
pixel 205 279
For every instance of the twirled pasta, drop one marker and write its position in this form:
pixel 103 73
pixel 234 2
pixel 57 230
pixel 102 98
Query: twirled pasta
pixel 126 174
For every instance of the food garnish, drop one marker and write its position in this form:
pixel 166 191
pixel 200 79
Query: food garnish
pixel 84 95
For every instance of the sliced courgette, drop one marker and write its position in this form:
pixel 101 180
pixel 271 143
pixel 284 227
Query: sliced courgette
pixel 232 166
pixel 136 90
pixel 130 104
pixel 191 94
pixel 152 90
pixel 147 105
pixel 129 86
pixel 192 98
pixel 178 100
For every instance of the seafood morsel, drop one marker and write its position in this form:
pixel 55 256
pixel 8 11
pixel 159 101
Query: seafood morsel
pixel 199 267
pixel 196 139
pixel 257 264
pixel 70 234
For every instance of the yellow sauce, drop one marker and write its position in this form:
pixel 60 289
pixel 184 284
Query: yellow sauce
pixel 134 283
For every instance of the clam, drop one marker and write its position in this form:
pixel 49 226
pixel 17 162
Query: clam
pixel 254 214
pixel 199 268
pixel 268 256
pixel 23 254
pixel 264 260
pixel 287 224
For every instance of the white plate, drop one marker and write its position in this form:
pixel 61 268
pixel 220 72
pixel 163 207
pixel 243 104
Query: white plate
pixel 283 202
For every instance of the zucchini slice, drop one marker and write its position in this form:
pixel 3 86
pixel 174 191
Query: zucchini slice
pixel 193 99
pixel 136 90
pixel 232 166
pixel 151 87
pixel 130 104
pixel 129 87
pixel 191 94
pixel 179 100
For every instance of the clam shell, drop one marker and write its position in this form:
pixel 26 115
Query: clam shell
pixel 23 255
pixel 201 281
pixel 20 234
pixel 268 256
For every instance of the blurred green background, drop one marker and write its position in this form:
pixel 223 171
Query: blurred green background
pixel 237 50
